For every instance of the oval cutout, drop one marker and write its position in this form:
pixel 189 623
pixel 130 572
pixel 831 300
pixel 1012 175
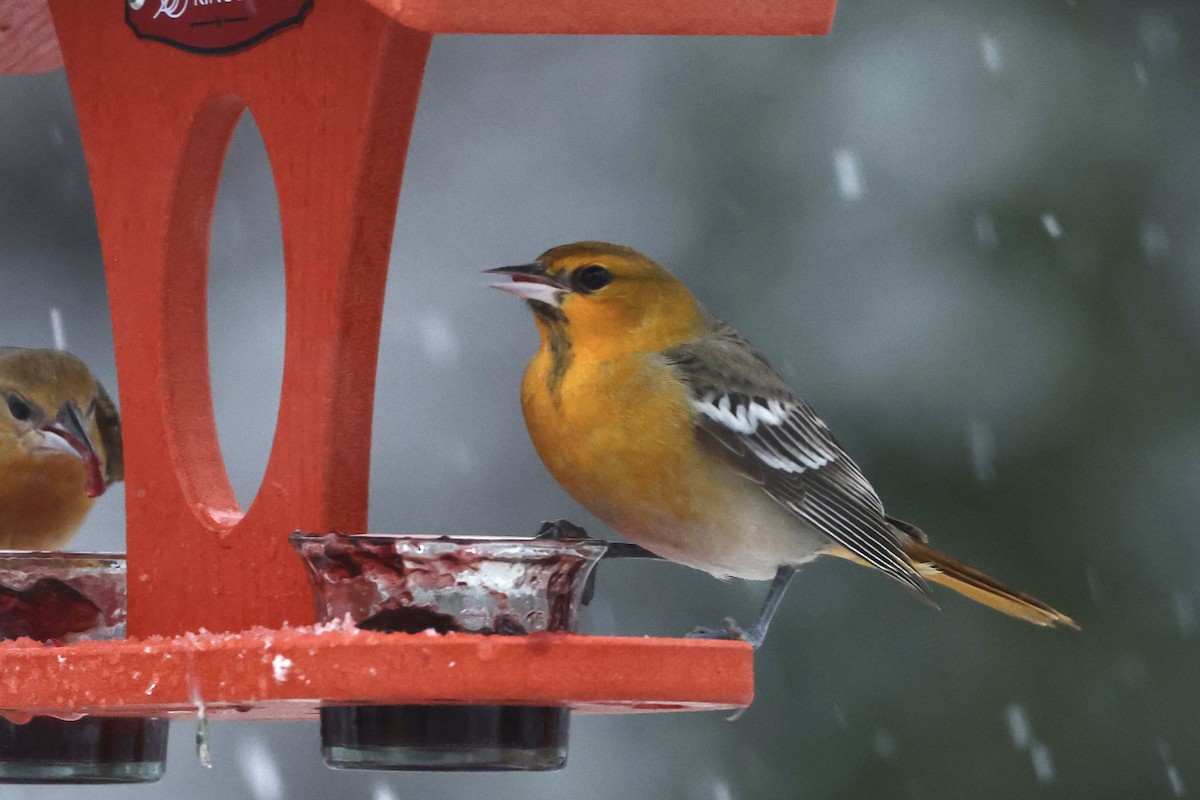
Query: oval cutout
pixel 246 310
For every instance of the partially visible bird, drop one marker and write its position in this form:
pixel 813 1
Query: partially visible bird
pixel 60 447
pixel 667 425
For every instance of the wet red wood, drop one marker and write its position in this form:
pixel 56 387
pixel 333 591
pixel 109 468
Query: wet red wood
pixel 285 674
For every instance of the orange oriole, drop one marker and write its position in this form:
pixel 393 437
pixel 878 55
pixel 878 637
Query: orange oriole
pixel 60 447
pixel 667 425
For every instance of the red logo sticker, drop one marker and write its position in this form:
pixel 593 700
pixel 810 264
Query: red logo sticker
pixel 212 26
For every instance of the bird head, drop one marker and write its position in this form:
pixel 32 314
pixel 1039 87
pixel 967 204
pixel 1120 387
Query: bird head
pixel 52 407
pixel 611 297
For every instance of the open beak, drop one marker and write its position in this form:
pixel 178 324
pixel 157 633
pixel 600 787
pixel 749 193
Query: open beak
pixel 531 282
pixel 66 434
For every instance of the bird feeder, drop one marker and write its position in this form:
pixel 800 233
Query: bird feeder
pixel 220 613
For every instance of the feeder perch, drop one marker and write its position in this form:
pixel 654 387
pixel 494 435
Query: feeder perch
pixel 333 87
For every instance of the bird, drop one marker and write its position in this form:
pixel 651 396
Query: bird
pixel 60 446
pixel 671 428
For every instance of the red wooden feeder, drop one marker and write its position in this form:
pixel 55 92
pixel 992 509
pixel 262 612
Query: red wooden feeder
pixel 334 98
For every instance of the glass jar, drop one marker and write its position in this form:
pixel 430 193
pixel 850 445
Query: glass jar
pixel 491 586
pixel 61 598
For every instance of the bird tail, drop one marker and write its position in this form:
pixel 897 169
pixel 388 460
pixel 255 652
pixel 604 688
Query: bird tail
pixel 970 582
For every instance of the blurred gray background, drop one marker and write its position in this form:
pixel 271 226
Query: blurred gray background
pixel 967 233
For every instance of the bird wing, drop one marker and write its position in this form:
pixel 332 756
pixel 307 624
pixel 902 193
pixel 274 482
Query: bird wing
pixel 751 420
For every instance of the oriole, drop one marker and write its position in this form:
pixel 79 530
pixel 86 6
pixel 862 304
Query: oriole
pixel 667 425
pixel 60 447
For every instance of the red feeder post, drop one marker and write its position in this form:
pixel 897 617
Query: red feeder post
pixel 333 87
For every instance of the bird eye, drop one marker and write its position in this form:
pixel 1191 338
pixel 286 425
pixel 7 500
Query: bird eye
pixel 593 277
pixel 18 408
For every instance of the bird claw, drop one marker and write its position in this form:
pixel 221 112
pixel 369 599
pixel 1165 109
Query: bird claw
pixel 734 632
pixel 562 529
pixel 731 632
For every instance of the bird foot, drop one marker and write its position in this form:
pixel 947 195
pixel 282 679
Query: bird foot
pixel 731 631
pixel 561 529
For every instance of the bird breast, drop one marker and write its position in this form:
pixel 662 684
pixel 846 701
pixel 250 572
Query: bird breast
pixel 619 437
pixel 42 499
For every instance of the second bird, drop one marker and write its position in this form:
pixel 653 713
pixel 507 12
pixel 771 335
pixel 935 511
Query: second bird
pixel 666 424
pixel 60 447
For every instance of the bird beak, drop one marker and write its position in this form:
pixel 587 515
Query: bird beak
pixel 531 282
pixel 66 434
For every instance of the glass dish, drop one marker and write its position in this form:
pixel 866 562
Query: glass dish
pixel 482 585
pixel 60 598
